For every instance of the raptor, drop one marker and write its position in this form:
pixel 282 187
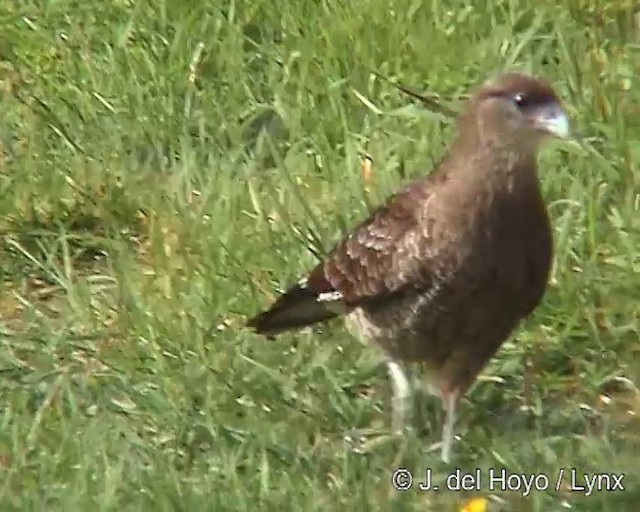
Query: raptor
pixel 442 273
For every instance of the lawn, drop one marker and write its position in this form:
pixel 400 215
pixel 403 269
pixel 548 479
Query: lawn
pixel 166 169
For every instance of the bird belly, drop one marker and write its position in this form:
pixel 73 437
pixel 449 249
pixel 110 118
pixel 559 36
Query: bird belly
pixel 454 329
pixel 415 331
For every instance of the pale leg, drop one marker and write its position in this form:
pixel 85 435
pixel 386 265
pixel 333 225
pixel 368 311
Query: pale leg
pixel 400 410
pixel 401 399
pixel 449 402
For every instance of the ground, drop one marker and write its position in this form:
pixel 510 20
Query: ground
pixel 167 168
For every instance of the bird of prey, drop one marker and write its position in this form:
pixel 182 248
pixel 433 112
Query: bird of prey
pixel 445 269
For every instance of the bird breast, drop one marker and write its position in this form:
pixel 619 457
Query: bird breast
pixel 503 264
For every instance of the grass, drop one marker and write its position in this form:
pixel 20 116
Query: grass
pixel 167 167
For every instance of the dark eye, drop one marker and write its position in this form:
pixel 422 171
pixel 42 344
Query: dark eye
pixel 521 100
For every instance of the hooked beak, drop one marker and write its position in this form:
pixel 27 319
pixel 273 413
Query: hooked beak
pixel 553 120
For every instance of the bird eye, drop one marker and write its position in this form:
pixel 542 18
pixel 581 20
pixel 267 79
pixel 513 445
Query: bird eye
pixel 520 99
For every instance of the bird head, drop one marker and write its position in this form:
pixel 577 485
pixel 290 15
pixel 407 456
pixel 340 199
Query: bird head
pixel 517 107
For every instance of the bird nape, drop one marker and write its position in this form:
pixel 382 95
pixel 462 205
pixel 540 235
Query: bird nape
pixel 445 269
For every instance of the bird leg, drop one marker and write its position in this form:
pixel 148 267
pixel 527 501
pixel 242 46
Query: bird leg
pixel 449 403
pixel 363 442
pixel 401 399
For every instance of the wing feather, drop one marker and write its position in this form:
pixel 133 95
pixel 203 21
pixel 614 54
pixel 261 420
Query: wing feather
pixel 404 243
pixel 399 245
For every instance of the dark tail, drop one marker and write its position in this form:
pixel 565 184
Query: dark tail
pixel 298 307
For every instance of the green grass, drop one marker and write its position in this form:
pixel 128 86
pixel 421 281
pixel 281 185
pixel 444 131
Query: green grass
pixel 165 169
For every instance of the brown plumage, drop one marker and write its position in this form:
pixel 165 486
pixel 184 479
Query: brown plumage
pixel 443 272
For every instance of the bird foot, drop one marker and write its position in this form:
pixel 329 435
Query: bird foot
pixel 433 447
pixel 445 451
pixel 366 440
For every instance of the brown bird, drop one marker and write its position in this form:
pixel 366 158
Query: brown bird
pixel 442 273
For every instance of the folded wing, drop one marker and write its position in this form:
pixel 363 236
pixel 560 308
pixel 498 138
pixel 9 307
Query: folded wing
pixel 402 244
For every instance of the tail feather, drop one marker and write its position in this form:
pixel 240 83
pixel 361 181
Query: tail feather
pixel 298 307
